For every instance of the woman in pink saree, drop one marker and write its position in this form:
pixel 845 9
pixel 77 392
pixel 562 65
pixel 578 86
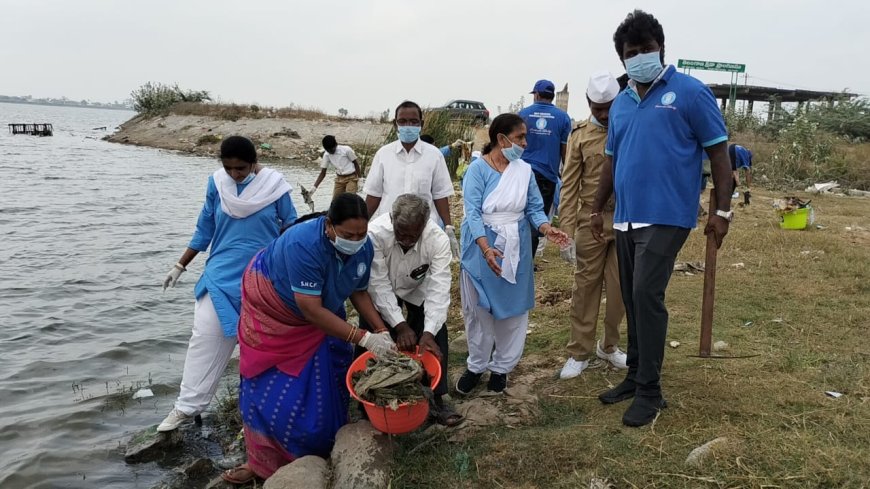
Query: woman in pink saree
pixel 296 345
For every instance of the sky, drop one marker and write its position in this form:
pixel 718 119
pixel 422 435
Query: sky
pixel 368 55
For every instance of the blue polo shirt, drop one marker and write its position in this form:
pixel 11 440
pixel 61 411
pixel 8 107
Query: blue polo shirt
pixel 657 145
pixel 547 129
pixel 740 157
pixel 303 260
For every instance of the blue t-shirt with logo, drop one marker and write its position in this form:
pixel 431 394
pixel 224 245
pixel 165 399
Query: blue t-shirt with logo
pixel 547 129
pixel 740 157
pixel 657 145
pixel 303 260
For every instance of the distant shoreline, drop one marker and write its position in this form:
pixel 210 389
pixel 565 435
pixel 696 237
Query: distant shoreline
pixel 73 105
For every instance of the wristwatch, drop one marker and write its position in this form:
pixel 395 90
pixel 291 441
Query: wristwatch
pixel 727 215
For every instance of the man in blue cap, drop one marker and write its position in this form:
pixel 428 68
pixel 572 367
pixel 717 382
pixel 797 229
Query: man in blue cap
pixel 547 131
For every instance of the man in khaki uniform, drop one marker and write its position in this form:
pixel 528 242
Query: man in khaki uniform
pixel 343 160
pixel 596 262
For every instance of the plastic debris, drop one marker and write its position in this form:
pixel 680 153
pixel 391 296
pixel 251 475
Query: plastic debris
pixel 265 146
pixel 698 455
pixel 674 344
pixel 738 266
pixel 822 188
pixel 143 394
pixel 834 394
pixel 720 346
pixel 747 324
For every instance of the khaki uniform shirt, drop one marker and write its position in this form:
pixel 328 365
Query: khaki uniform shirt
pixel 583 162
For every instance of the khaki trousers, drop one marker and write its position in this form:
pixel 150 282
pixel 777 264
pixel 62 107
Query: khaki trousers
pixel 596 265
pixel 345 183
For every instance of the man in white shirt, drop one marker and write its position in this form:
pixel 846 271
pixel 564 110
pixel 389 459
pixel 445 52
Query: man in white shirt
pixel 411 268
pixel 343 160
pixel 411 166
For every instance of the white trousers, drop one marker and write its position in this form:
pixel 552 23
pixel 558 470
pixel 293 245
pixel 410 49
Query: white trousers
pixel 208 353
pixel 493 344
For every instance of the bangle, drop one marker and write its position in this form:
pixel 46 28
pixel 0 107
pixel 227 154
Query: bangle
pixel 486 251
pixel 593 214
pixel 180 267
pixel 353 330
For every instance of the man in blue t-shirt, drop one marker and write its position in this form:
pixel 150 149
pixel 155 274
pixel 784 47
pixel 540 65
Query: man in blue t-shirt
pixel 659 128
pixel 547 131
pixel 741 158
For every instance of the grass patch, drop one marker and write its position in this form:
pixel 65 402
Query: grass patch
pixel 805 295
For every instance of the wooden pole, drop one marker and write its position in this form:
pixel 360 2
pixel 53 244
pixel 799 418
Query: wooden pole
pixel 709 287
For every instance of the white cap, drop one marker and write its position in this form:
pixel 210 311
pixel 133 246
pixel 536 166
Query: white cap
pixel 602 88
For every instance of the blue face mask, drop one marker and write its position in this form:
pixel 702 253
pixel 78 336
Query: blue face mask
pixel 348 246
pixel 515 152
pixel 408 134
pixel 248 179
pixel 645 67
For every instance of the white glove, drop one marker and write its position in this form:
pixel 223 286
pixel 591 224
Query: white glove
pixel 380 344
pixel 454 243
pixel 172 277
pixel 569 253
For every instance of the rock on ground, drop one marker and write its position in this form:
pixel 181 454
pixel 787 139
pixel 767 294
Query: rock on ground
pixel 361 457
pixel 309 472
pixel 149 445
pixel 697 456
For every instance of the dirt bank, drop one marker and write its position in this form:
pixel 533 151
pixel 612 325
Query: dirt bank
pixel 296 139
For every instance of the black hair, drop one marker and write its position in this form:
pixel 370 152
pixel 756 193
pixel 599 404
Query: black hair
pixel 503 124
pixel 546 96
pixel 239 147
pixel 426 138
pixel 638 28
pixel 329 142
pixel 347 206
pixel 407 104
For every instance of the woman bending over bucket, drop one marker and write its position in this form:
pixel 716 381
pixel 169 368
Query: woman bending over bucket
pixel 296 345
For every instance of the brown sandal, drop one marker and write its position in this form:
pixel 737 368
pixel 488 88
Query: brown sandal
pixel 239 475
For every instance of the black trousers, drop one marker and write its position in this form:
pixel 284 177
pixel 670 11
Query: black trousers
pixel 646 260
pixel 548 193
pixel 415 319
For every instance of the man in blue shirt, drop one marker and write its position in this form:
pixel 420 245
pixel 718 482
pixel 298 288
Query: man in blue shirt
pixel 547 131
pixel 741 158
pixel 659 128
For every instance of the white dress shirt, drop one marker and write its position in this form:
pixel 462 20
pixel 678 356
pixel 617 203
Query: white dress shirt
pixel 421 171
pixel 391 274
pixel 341 160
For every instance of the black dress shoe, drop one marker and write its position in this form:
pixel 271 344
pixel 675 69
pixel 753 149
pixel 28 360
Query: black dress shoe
pixel 643 410
pixel 467 382
pixel 625 390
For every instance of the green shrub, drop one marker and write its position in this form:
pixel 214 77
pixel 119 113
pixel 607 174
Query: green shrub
pixel 850 119
pixel 157 98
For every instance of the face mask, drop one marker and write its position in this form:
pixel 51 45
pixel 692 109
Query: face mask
pixel 515 152
pixel 248 179
pixel 644 68
pixel 348 246
pixel 593 120
pixel 408 134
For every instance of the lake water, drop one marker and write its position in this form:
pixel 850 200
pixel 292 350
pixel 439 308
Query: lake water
pixel 89 230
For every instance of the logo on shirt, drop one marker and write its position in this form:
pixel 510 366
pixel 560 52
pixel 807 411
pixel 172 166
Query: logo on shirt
pixel 309 285
pixel 669 98
pixel 360 270
pixel 541 123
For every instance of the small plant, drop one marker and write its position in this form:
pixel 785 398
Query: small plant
pixel 209 139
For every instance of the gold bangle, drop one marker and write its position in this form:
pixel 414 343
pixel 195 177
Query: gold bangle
pixel 350 336
pixel 486 251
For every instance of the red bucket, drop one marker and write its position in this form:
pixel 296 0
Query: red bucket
pixel 409 416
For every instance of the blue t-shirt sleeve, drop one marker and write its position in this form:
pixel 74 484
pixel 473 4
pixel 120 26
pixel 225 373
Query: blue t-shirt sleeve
pixel 304 269
pixel 286 211
pixel 205 224
pixel 363 282
pixel 566 130
pixel 473 187
pixel 706 119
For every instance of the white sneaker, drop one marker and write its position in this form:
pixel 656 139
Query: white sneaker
pixel 617 358
pixel 573 368
pixel 173 420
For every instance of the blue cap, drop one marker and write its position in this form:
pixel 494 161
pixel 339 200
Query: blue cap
pixel 544 86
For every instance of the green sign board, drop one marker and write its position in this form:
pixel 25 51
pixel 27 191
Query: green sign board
pixel 711 65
